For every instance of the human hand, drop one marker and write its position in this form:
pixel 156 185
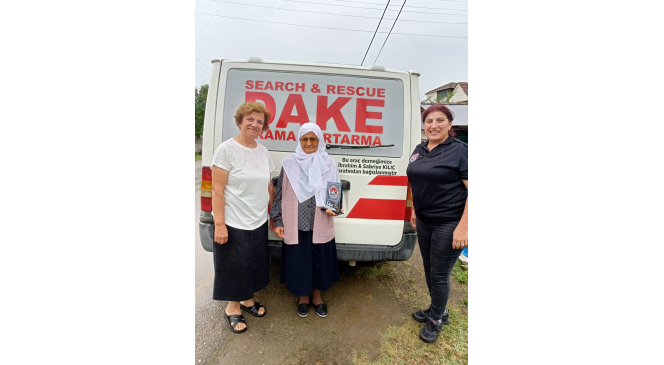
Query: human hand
pixel 221 234
pixel 279 231
pixel 413 218
pixel 272 225
pixel 460 237
pixel 331 213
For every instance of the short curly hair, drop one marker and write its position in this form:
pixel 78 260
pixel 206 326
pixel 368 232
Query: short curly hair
pixel 250 107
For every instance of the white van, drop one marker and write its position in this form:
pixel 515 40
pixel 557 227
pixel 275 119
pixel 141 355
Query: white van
pixel 370 117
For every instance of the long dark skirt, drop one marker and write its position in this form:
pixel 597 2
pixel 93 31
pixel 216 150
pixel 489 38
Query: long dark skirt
pixel 241 265
pixel 307 266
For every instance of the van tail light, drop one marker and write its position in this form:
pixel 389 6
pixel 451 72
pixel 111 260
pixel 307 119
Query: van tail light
pixel 206 190
pixel 409 205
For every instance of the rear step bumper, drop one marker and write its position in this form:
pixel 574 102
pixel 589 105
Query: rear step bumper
pixel 350 252
pixel 345 252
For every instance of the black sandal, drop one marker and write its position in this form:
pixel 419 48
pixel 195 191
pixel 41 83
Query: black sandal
pixel 253 310
pixel 235 319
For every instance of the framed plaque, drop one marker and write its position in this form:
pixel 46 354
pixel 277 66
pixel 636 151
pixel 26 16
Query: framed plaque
pixel 333 197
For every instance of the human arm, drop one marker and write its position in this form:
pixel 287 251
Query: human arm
pixel 275 207
pixel 270 191
pixel 460 236
pixel 413 218
pixel 219 180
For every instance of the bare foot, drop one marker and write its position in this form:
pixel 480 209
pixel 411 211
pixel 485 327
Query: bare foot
pixel 250 302
pixel 230 310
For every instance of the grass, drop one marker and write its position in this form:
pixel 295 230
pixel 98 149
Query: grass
pixel 393 274
pixel 401 344
pixel 379 271
pixel 198 157
pixel 460 272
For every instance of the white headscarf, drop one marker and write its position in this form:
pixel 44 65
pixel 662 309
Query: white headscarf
pixel 309 173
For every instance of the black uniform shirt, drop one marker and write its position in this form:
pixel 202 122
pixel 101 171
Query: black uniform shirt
pixel 435 178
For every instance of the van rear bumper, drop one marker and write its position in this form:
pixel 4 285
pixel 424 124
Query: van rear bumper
pixel 345 252
pixel 351 252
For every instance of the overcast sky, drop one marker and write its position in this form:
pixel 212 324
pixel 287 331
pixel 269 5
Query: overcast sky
pixel 439 60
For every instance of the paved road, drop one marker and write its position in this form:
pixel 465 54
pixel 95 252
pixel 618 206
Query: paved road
pixel 209 334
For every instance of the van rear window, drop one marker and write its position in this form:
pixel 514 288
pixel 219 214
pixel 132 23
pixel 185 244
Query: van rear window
pixel 351 110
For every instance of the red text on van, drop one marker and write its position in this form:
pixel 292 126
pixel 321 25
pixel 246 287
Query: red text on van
pixel 324 111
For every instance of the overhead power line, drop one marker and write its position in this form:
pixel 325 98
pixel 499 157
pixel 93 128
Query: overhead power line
pixel 200 55
pixel 350 30
pixel 388 34
pixel 204 77
pixel 197 59
pixel 222 32
pixel 347 15
pixel 199 29
pixel 374 36
pixel 220 40
pixel 349 6
pixel 409 6
pixel 202 69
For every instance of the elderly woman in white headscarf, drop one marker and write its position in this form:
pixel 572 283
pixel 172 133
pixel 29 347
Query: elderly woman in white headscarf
pixel 309 253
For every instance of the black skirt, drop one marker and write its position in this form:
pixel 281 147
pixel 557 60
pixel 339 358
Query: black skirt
pixel 307 266
pixel 241 265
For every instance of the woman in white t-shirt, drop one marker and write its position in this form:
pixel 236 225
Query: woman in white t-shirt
pixel 241 192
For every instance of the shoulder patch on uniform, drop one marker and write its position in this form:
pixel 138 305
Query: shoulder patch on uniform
pixel 414 157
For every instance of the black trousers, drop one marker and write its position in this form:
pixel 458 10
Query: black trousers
pixel 435 241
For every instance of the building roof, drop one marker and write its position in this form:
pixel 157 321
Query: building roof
pixel 460 112
pixel 451 85
pixel 464 87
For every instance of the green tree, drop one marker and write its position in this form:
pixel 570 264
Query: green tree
pixel 201 99
pixel 443 99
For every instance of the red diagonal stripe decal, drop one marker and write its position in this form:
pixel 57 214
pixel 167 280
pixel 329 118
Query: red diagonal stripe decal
pixel 390 180
pixel 378 209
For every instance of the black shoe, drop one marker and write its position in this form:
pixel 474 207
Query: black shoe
pixel 303 309
pixel 431 330
pixel 421 316
pixel 321 310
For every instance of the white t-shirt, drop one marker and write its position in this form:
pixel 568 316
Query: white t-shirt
pixel 246 193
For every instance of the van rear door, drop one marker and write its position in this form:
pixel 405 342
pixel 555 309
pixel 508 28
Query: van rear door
pixel 358 110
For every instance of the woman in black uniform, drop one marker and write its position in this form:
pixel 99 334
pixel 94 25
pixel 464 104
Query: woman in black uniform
pixel 438 177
